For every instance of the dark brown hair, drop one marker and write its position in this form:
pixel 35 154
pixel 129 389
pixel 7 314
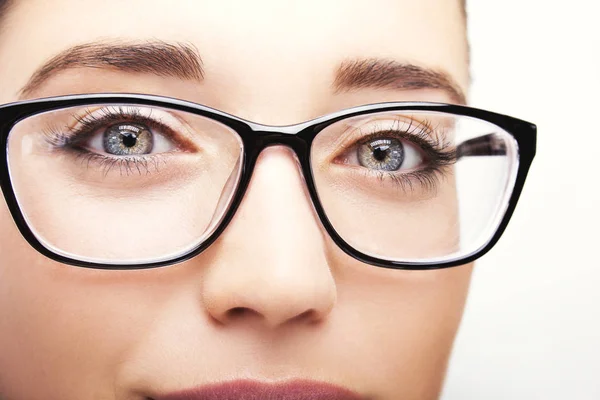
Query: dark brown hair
pixel 3 7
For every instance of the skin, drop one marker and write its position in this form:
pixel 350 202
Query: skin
pixel 274 298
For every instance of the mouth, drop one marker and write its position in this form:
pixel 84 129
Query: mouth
pixel 254 390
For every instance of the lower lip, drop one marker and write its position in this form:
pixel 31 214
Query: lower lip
pixel 252 390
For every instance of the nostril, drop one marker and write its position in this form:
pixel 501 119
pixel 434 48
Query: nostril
pixel 307 316
pixel 237 311
pixel 240 312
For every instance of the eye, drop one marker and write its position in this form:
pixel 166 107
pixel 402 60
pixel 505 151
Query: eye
pixel 129 139
pixel 386 154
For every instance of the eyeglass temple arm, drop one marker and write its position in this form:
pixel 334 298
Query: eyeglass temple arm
pixel 486 145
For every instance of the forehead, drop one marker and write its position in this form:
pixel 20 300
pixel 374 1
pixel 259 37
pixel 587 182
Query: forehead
pixel 250 43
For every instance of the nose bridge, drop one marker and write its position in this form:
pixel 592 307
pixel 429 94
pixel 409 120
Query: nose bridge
pixel 271 258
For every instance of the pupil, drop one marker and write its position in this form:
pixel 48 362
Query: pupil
pixel 380 154
pixel 129 139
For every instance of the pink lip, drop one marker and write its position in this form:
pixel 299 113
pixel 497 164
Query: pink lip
pixel 253 390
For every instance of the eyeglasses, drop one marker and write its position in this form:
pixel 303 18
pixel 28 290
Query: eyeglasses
pixel 119 181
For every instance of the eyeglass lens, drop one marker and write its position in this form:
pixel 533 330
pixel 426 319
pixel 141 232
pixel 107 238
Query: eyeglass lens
pixel 128 184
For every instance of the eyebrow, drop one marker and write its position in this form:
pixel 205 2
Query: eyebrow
pixel 390 74
pixel 182 60
pixel 179 60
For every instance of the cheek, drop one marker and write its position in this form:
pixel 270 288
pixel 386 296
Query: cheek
pixel 70 328
pixel 400 325
pixel 74 329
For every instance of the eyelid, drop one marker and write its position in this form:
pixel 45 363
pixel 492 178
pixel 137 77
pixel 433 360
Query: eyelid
pixel 401 127
pixel 91 120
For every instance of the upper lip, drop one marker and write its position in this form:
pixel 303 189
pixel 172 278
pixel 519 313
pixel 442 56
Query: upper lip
pixel 255 390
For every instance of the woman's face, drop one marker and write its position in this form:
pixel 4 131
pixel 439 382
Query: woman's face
pixel 273 299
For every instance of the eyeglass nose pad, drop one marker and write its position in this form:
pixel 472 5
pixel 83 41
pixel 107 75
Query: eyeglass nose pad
pixel 226 195
pixel 300 170
pixel 232 182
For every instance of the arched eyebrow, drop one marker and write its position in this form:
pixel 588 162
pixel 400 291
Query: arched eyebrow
pixel 180 60
pixel 390 74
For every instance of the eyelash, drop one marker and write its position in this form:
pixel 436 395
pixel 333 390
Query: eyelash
pixel 90 122
pixel 439 154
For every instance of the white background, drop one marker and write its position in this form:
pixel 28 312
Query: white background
pixel 531 329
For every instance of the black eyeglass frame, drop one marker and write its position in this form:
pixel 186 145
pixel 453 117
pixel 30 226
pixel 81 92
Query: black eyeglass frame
pixel 256 137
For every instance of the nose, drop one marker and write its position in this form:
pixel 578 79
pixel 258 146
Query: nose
pixel 270 263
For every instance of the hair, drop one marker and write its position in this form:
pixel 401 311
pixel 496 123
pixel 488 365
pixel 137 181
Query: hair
pixel 4 4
